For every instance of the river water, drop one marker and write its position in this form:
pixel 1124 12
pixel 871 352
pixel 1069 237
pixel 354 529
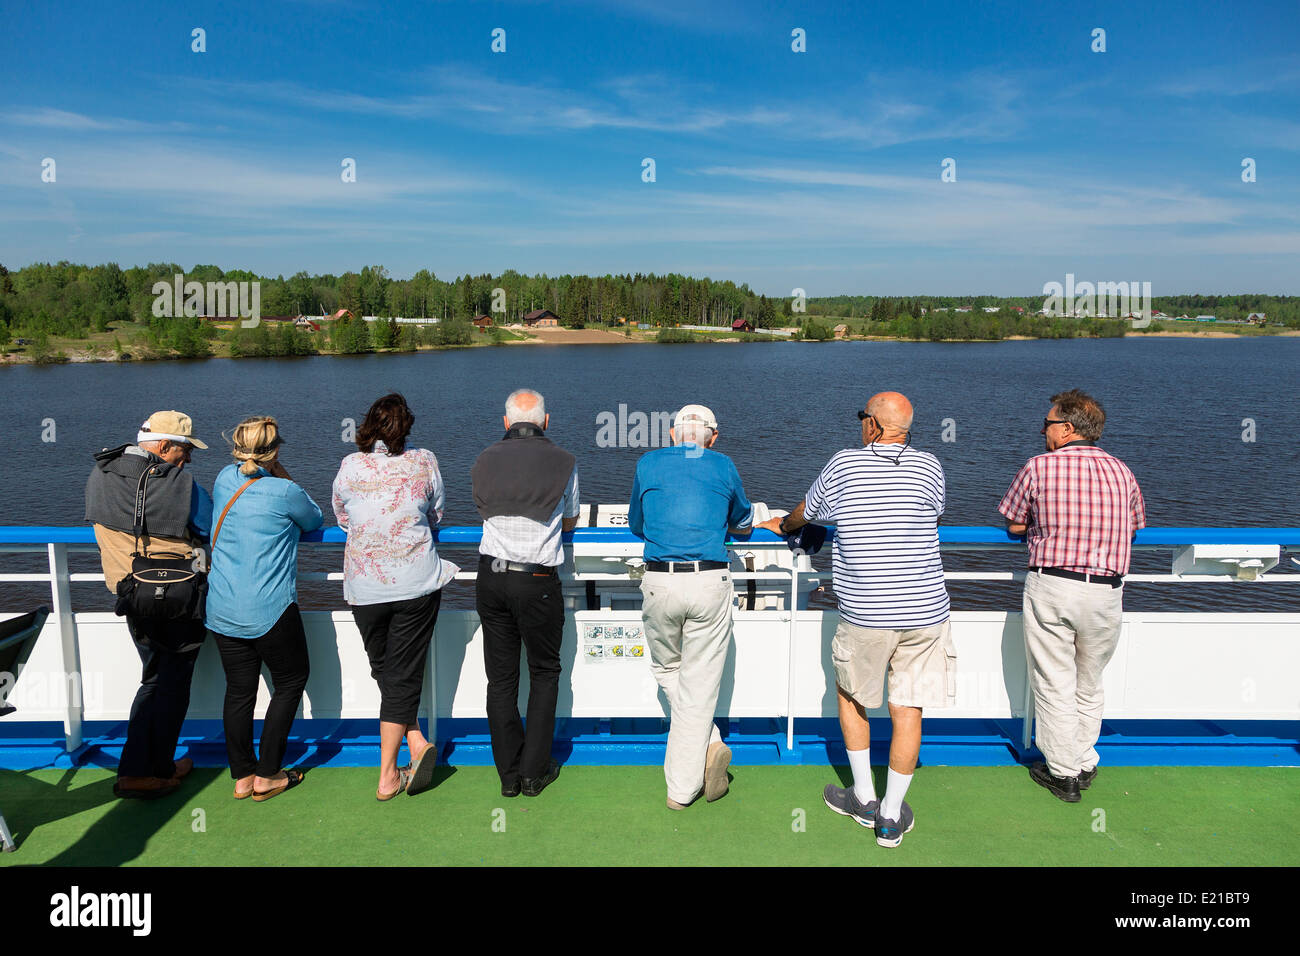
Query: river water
pixel 1178 413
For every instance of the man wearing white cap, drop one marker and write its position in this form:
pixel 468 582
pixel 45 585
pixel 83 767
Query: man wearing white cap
pixel 684 500
pixel 175 519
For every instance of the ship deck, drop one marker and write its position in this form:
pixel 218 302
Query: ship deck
pixel 614 816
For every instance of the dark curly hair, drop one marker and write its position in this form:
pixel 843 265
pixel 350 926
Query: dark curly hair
pixel 389 420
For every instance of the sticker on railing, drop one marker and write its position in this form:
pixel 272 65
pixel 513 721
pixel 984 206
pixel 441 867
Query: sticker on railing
pixel 612 642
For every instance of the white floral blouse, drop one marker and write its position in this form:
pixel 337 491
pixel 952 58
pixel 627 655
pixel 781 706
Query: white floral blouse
pixel 386 504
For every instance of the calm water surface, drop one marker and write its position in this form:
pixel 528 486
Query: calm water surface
pixel 1175 407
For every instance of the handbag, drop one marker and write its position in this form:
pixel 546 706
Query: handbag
pixel 165 587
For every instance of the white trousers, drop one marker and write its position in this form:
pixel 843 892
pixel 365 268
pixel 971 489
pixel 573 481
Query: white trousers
pixel 687 618
pixel 1071 629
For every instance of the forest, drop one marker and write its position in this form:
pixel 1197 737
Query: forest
pixel 73 302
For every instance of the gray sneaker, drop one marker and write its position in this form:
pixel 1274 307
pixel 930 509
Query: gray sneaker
pixel 846 803
pixel 890 832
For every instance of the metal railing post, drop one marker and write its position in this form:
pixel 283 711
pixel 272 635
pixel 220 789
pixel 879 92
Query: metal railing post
pixel 1027 730
pixel 431 682
pixel 61 595
pixel 789 673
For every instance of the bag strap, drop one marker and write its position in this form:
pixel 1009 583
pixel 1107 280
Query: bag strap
pixel 224 511
pixel 138 528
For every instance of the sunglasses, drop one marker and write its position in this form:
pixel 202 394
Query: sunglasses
pixel 1048 422
pixel 863 416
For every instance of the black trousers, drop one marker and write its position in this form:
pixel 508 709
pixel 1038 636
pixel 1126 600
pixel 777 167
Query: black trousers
pixel 168 650
pixel 518 607
pixel 283 649
pixel 396 636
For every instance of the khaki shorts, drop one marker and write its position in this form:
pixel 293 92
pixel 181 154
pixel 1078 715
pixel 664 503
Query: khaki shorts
pixel 922 664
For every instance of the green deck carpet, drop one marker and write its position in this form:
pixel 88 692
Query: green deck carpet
pixel 1132 816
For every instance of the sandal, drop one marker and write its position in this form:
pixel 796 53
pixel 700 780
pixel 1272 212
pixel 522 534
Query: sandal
pixel 291 779
pixel 422 768
pixel 403 778
pixel 243 794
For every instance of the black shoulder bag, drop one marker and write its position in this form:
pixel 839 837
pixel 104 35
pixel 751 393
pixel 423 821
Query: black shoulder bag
pixel 169 587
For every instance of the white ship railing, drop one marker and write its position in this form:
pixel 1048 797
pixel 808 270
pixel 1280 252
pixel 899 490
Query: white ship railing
pixel 1235 550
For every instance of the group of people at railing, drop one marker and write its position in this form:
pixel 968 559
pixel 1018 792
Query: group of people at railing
pixel 180 576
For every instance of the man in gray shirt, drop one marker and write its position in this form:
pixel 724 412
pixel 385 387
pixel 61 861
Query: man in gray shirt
pixel 526 489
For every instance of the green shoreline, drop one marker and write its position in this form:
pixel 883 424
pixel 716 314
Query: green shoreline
pixel 94 355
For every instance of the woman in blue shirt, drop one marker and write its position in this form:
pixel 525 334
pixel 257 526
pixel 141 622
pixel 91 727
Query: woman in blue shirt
pixel 252 608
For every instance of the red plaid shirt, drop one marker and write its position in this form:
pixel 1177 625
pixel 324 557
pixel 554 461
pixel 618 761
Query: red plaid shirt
pixel 1082 507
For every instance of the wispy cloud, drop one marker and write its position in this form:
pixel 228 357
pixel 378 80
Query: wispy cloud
pixel 876 112
pixel 1231 80
pixel 49 118
pixel 222 180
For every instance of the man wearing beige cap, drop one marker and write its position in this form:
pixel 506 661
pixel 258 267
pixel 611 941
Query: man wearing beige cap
pixel 684 500
pixel 174 518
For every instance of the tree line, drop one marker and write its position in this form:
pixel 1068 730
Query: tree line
pixel 73 300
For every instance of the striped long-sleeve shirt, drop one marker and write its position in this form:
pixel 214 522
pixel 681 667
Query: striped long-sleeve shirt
pixel 885 501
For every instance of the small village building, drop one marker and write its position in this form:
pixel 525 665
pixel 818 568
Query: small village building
pixel 542 319
pixel 841 331
pixel 483 322
pixel 1256 318
pixel 742 325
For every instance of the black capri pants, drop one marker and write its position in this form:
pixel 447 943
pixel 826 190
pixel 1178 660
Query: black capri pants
pixel 396 636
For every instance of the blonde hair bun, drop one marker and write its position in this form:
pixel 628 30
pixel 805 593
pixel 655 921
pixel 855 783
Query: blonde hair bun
pixel 255 442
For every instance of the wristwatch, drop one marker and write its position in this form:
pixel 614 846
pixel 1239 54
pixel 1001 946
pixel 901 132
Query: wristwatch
pixel 781 527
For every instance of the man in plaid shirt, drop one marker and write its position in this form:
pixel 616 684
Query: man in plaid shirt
pixel 1079 509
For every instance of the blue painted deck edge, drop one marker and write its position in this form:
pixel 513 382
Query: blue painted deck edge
pixel 754 742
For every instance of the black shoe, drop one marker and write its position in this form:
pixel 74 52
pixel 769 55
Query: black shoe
pixel 1086 777
pixel 1067 788
pixel 510 789
pixel 532 786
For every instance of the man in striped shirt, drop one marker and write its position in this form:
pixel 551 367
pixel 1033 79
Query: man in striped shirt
pixel 885 500
pixel 1079 509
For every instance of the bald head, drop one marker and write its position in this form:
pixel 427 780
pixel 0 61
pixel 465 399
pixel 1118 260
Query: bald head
pixel 525 405
pixel 892 412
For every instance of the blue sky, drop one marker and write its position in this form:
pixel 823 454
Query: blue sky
pixel 819 169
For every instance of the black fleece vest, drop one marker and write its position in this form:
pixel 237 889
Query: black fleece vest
pixel 523 474
pixel 110 493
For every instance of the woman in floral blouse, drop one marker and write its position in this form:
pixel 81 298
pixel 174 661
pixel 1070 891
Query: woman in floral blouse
pixel 387 497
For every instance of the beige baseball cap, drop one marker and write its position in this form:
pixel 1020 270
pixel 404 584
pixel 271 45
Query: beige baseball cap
pixel 169 426
pixel 696 413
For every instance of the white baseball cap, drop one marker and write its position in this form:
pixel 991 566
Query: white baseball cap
pixel 696 413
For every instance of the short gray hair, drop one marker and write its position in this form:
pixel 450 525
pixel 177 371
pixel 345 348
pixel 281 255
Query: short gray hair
pixel 536 415
pixel 696 433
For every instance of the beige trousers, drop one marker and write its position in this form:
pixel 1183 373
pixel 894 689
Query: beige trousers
pixel 1071 629
pixel 687 620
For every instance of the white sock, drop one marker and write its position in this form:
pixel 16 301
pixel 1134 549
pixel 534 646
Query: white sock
pixel 895 790
pixel 864 788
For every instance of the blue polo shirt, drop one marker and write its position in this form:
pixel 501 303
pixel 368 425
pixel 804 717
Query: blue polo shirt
pixel 684 499
pixel 254 575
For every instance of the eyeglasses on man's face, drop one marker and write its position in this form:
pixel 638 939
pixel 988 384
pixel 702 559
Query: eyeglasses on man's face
pixel 863 416
pixel 1049 422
